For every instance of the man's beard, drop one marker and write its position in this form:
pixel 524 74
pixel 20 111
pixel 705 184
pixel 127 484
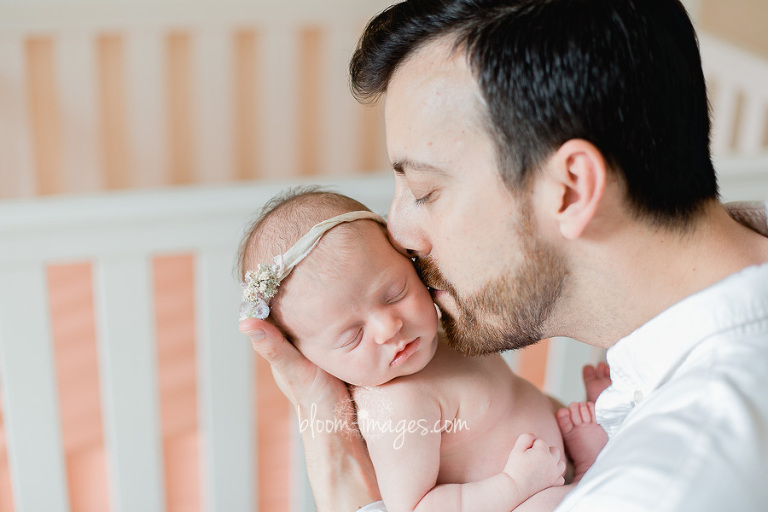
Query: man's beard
pixel 510 311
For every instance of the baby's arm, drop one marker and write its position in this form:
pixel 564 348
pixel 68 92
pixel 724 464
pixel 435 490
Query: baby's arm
pixel 407 459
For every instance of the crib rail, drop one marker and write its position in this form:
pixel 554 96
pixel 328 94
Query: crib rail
pixel 119 233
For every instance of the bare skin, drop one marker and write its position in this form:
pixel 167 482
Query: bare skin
pixel 596 379
pixel 582 435
pixel 498 409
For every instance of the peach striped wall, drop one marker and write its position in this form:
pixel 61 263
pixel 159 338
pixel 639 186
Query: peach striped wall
pixel 117 161
pixel 215 108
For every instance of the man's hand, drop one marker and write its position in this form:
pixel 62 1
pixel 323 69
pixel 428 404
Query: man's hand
pixel 340 472
pixel 298 378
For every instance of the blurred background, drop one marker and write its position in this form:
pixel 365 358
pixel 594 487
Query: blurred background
pixel 102 96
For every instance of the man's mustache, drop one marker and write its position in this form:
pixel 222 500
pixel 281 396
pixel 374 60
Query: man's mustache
pixel 430 274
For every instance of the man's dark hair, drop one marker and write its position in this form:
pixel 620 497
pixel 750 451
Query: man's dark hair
pixel 624 75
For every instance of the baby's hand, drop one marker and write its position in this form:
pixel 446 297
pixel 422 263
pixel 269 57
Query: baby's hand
pixel 533 466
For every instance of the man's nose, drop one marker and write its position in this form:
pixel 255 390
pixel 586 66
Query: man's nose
pixel 404 223
pixel 387 325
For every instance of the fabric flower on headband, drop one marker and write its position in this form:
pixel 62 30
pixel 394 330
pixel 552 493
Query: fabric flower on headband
pixel 261 285
pixel 259 288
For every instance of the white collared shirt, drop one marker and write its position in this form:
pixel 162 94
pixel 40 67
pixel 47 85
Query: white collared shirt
pixel 687 413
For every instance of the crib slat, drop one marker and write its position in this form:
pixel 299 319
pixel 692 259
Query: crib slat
pixel 31 414
pixel 302 499
pixel 147 126
pixel 17 173
pixel 75 65
pixel 278 72
pixel 752 127
pixel 565 359
pixel 128 370
pixel 225 374
pixel 735 71
pixel 214 73
pixel 341 113
pixel 724 119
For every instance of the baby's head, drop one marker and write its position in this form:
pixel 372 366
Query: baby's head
pixel 354 306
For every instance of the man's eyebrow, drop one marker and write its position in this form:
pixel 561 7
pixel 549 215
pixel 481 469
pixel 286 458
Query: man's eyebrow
pixel 400 166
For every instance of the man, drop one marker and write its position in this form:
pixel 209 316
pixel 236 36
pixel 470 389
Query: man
pixel 553 177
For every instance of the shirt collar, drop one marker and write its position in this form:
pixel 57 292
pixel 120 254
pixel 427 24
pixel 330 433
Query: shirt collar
pixel 644 359
pixel 646 356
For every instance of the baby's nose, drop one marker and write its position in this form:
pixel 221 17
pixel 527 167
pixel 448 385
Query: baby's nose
pixel 387 327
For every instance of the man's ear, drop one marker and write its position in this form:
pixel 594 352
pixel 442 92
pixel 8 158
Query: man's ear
pixel 578 172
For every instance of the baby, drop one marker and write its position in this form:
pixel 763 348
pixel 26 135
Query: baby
pixel 444 431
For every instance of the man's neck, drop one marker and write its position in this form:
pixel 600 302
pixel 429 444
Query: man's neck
pixel 639 272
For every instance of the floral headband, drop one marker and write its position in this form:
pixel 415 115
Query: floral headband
pixel 261 285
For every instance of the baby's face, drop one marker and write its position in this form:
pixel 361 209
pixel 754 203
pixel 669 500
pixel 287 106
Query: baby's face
pixel 368 319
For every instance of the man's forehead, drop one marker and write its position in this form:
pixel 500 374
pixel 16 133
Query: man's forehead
pixel 431 68
pixel 432 99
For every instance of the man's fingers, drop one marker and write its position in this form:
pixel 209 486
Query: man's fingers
pixel 269 343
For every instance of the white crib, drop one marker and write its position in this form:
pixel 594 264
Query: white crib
pixel 119 233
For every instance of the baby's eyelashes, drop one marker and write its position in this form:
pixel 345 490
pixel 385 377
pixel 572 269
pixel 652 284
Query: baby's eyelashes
pixel 353 339
pixel 399 296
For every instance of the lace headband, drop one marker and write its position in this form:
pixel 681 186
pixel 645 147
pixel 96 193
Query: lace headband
pixel 261 285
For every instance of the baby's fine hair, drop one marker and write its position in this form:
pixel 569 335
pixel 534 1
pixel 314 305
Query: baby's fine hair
pixel 284 219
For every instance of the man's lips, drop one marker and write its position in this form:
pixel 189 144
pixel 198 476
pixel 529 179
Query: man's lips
pixel 405 353
pixel 435 292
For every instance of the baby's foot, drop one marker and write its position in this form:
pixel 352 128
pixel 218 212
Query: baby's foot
pixel 582 435
pixel 596 379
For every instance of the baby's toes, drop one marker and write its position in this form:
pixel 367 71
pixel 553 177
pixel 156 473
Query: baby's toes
pixel 564 421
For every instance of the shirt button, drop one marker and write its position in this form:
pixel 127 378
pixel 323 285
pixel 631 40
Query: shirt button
pixel 637 397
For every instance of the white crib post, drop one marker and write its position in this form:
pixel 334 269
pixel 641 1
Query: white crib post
pixel 76 72
pixel 753 126
pixel 302 499
pixel 146 90
pixel 128 375
pixel 17 172
pixel 724 105
pixel 225 374
pixel 340 142
pixel 214 72
pixel 565 358
pixel 29 392
pixel 736 74
pixel 279 118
